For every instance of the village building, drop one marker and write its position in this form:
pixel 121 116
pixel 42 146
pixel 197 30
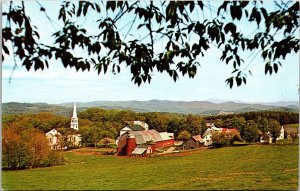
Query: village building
pixel 210 123
pixel 144 142
pixel 209 132
pixel 270 140
pixel 61 138
pixel 281 136
pixel 54 137
pixel 193 142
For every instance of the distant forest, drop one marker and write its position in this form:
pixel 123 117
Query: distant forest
pixel 111 121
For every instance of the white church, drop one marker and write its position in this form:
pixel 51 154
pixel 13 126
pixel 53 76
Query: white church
pixel 71 137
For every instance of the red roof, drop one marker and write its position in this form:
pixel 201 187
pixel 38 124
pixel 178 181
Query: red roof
pixel 229 130
pixel 197 138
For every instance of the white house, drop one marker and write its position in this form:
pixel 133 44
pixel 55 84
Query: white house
pixel 281 136
pixel 207 136
pixel 56 138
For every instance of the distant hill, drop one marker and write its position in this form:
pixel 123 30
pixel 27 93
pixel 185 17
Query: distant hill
pixel 194 107
pixel 18 108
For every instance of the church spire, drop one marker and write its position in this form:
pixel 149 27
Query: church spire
pixel 74 119
pixel 74 111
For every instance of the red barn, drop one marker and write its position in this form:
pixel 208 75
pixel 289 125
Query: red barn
pixel 141 143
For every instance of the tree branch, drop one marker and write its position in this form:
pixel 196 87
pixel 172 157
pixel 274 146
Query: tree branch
pixel 118 17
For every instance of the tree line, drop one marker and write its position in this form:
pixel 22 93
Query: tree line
pixel 25 144
pixel 96 123
pixel 284 117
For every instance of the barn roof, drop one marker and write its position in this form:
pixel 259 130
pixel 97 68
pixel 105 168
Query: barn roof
pixel 138 151
pixel 136 127
pixel 126 129
pixel 143 137
pixel 165 136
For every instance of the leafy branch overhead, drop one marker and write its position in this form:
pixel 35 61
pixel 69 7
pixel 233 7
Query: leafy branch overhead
pixel 185 38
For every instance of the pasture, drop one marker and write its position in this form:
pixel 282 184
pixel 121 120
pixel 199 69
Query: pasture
pixel 271 167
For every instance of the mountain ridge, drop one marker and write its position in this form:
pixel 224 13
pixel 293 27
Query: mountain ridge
pixel 185 107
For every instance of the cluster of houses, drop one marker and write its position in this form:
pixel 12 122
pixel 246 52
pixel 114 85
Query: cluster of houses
pixel 198 141
pixel 137 140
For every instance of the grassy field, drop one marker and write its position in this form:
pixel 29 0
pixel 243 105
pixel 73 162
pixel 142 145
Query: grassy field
pixel 295 125
pixel 248 167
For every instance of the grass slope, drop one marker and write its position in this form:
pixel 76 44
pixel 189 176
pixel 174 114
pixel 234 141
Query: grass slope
pixel 249 167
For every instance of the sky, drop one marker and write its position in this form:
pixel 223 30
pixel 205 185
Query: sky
pixel 58 85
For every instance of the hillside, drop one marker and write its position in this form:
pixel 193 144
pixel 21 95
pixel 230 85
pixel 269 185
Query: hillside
pixel 18 108
pixel 194 107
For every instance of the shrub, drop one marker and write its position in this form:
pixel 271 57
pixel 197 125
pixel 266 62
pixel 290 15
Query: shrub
pixel 184 135
pixel 25 149
pixel 219 139
pixel 55 158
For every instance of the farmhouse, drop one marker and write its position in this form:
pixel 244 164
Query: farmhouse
pixel 60 138
pixel 281 136
pixel 142 143
pixel 194 142
pixel 208 133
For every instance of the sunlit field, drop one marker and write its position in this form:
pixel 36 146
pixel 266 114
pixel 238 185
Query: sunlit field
pixel 272 167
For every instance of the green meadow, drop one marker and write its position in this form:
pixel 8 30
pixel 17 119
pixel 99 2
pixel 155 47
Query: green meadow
pixel 295 125
pixel 271 167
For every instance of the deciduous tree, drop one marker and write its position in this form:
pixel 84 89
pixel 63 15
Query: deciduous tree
pixel 274 129
pixel 184 135
pixel 250 131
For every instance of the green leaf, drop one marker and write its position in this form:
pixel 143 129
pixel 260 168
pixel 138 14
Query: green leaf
pixel 5 49
pixel 238 81
pixel 192 6
pixel 264 12
pixel 244 80
pixel 200 3
pixel 275 66
pixel 230 27
pixel 85 8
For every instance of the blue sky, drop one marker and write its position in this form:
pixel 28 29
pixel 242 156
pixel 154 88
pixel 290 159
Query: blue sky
pixel 57 84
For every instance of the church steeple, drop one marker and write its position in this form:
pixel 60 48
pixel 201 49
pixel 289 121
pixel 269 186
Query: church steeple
pixel 74 111
pixel 74 119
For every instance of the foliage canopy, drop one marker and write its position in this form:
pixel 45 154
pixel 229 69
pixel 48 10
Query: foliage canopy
pixel 173 23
